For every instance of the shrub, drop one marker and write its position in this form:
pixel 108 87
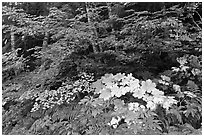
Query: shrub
pixel 143 98
pixel 12 64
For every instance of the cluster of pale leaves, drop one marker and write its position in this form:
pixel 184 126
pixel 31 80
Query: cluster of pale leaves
pixel 50 98
pixel 118 85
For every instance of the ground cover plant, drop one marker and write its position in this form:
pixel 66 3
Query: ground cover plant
pixel 101 68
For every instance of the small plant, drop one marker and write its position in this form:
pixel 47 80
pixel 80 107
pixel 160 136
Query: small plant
pixel 111 89
pixel 182 83
pixel 119 85
pixel 64 94
pixel 129 47
pixel 12 64
pixel 49 99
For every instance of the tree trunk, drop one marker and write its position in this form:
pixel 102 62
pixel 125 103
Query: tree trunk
pixel 110 11
pixel 12 39
pixel 112 17
pixel 111 14
pixel 88 11
pixel 45 40
pixel 44 48
pixel 96 48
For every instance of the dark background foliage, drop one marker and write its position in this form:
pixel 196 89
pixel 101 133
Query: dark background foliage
pixel 46 44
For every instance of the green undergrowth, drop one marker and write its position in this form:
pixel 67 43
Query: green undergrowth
pixel 101 68
pixel 113 104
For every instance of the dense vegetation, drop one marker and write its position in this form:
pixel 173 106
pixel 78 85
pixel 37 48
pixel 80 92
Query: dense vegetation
pixel 102 68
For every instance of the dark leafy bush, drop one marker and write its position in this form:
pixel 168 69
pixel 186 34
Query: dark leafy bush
pixel 101 68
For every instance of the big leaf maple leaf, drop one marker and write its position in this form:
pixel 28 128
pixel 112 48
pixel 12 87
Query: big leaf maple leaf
pixel 148 86
pixel 116 91
pixel 119 76
pixel 139 93
pixel 134 85
pixel 151 105
pixel 98 86
pixel 157 92
pixel 105 94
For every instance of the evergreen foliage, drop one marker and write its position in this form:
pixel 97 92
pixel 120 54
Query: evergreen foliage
pixel 104 68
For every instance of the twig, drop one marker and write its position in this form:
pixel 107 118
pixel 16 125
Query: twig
pixel 195 23
pixel 198 15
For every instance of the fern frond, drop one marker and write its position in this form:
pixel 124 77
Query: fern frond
pixel 176 113
pixel 68 113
